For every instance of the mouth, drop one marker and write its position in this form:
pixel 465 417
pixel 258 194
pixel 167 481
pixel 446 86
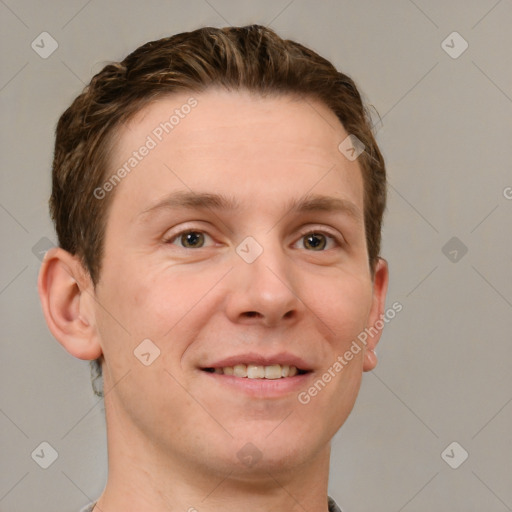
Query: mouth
pixel 258 371
pixel 266 382
pixel 258 375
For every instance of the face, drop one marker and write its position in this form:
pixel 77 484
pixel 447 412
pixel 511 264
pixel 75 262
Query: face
pixel 238 239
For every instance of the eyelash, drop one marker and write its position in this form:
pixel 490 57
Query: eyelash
pixel 330 236
pixel 327 234
pixel 177 236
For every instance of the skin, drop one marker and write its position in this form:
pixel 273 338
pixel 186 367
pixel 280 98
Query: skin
pixel 174 434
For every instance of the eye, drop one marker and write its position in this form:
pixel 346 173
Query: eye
pixel 317 241
pixel 189 239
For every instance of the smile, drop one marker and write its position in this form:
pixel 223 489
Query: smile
pixel 256 371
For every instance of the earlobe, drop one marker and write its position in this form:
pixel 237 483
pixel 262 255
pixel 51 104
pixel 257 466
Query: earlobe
pixel 380 287
pixel 66 295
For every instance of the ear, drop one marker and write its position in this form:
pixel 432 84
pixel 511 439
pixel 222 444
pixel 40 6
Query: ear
pixel 67 297
pixel 380 287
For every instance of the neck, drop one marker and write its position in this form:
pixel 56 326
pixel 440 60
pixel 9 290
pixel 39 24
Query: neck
pixel 143 477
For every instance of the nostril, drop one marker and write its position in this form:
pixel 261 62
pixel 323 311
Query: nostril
pixel 251 314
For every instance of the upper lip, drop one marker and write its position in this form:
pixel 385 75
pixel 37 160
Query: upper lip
pixel 282 358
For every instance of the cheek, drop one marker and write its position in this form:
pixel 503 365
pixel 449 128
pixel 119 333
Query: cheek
pixel 343 303
pixel 159 303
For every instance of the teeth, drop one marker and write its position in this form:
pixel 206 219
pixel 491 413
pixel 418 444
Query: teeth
pixel 256 371
pixel 239 370
pixel 273 372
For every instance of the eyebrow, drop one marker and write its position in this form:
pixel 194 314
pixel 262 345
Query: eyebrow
pixel 192 200
pixel 322 203
pixel 209 201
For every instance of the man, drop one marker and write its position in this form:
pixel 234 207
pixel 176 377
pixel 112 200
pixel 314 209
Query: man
pixel 218 197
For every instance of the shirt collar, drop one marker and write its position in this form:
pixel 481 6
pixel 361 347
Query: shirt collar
pixel 332 505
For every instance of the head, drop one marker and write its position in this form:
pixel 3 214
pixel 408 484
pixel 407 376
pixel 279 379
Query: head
pixel 241 227
pixel 249 58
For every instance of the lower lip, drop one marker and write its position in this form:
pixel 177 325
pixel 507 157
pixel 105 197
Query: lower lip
pixel 262 388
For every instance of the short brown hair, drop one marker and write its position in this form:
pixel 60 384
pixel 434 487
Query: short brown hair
pixel 253 58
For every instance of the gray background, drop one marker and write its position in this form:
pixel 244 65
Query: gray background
pixel 444 372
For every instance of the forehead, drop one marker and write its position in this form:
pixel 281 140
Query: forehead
pixel 236 143
pixel 228 118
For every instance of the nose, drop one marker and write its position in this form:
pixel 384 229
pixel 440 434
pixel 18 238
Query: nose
pixel 264 292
